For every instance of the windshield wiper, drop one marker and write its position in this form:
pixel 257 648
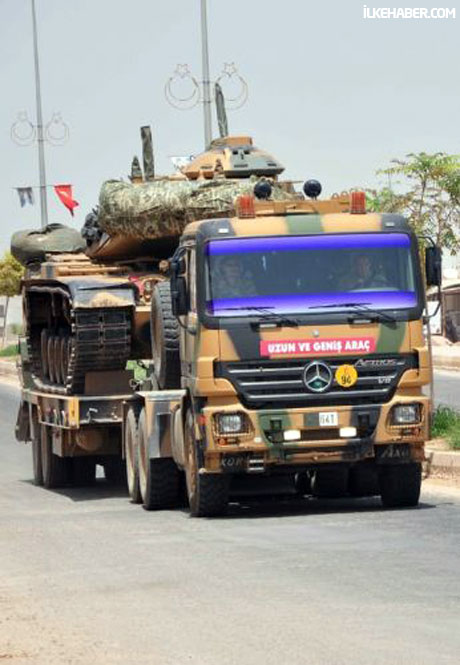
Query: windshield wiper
pixel 268 315
pixel 359 307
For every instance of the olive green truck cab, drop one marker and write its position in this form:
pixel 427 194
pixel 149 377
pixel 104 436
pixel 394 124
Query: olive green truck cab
pixel 290 341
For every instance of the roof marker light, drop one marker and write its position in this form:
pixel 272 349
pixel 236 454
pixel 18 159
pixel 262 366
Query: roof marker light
pixel 245 207
pixel 358 203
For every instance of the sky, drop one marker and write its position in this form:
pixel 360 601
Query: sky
pixel 332 95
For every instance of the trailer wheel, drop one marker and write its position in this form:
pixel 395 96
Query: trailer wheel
pixel 330 482
pixel 207 493
pixel 36 449
pixel 132 456
pixel 165 338
pixel 55 469
pixel 400 485
pixel 158 478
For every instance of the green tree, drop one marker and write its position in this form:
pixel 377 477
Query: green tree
pixel 11 272
pixel 431 199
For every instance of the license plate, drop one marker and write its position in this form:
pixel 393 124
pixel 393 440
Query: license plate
pixel 233 462
pixel 328 419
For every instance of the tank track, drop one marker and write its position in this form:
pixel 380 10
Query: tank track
pixel 97 340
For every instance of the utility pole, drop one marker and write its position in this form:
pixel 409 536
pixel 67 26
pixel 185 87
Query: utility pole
pixel 40 136
pixel 206 77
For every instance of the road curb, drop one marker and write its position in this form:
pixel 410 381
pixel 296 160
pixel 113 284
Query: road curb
pixel 442 464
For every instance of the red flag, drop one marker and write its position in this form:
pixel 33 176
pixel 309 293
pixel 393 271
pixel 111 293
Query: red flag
pixel 64 192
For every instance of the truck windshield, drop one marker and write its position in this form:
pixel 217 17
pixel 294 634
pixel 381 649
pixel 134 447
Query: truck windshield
pixel 296 274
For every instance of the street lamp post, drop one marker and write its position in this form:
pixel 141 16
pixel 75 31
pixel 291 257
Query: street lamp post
pixel 206 77
pixel 40 137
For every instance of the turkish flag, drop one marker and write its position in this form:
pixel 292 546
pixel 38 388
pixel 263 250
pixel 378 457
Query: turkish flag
pixel 64 193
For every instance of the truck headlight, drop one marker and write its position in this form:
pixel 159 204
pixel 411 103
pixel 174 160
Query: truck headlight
pixel 406 414
pixel 231 423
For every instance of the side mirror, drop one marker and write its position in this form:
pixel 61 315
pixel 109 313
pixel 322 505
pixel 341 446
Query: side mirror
pixel 179 300
pixel 433 266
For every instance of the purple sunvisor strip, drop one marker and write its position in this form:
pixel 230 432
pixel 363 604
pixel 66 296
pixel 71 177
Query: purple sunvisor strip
pixel 317 242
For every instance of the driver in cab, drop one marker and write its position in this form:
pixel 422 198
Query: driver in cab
pixel 363 275
pixel 230 281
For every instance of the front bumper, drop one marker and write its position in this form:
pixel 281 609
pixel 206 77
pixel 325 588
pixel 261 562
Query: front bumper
pixel 357 433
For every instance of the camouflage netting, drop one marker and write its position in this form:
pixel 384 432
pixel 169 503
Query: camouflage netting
pixel 163 207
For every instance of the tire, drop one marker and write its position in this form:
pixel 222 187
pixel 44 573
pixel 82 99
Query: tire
pixel 36 450
pixel 207 493
pixel 330 482
pixel 83 471
pixel 400 485
pixel 165 338
pixel 55 469
pixel 114 471
pixel 158 478
pixel 132 456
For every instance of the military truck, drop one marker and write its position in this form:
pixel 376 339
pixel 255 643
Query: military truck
pixel 293 344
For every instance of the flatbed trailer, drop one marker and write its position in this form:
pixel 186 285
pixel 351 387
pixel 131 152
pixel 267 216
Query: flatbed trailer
pixel 69 435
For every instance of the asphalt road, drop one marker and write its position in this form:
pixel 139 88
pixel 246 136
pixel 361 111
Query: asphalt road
pixel 88 578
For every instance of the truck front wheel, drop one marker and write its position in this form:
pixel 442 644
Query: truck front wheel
pixel 400 485
pixel 207 493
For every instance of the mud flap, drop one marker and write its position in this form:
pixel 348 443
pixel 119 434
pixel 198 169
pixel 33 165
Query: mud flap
pixel 22 429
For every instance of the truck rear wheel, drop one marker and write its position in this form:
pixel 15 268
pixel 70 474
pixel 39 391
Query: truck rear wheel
pixel 165 338
pixel 330 482
pixel 36 449
pixel 55 469
pixel 158 478
pixel 132 456
pixel 400 485
pixel 207 493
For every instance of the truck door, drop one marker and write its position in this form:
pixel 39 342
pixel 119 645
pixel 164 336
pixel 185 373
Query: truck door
pixel 189 330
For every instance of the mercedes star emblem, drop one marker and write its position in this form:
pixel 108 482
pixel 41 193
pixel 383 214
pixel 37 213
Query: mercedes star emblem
pixel 317 377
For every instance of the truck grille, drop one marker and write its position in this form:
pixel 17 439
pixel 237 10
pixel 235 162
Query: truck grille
pixel 279 383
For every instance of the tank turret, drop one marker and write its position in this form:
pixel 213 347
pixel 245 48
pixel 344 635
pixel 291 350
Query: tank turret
pixel 233 157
